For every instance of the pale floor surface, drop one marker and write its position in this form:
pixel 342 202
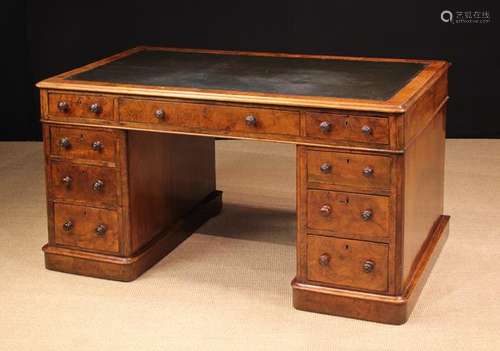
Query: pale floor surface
pixel 228 286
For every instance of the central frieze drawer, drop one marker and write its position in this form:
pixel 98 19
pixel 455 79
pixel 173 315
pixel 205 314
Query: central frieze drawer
pixel 223 119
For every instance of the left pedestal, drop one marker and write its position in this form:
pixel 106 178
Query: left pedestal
pixel 119 201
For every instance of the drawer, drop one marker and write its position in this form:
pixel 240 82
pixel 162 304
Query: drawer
pixel 346 169
pixel 218 118
pixel 347 263
pixel 74 143
pixel 336 127
pixel 366 216
pixel 86 184
pixel 80 106
pixel 89 228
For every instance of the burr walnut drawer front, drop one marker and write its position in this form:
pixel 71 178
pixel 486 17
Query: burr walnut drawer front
pixel 85 184
pixel 62 106
pixel 347 169
pixel 337 127
pixel 89 228
pixel 223 119
pixel 366 216
pixel 347 263
pixel 74 143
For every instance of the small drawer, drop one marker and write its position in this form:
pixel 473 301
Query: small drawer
pixel 346 169
pixel 74 143
pixel 347 263
pixel 220 119
pixel 63 106
pixel 89 228
pixel 366 216
pixel 85 184
pixel 334 127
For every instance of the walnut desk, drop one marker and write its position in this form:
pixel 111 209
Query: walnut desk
pixel 129 145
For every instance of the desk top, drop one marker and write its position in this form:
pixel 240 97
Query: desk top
pixel 297 80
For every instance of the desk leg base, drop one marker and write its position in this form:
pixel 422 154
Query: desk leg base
pixel 374 307
pixel 129 268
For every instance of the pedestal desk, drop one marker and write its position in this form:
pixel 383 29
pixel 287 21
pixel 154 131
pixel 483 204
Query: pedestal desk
pixel 129 145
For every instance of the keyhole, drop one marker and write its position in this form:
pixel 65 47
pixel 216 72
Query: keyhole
pixel 346 247
pixel 348 160
pixel 346 123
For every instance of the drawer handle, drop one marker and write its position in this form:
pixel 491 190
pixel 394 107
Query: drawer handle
pixel 98 185
pixel 65 143
pixel 325 168
pixel 324 259
pixel 367 130
pixel 67 181
pixel 325 210
pixel 101 229
pixel 97 145
pixel 368 171
pixel 67 226
pixel 367 215
pixel 63 106
pixel 251 121
pixel 325 126
pixel 95 108
pixel 368 266
pixel 160 114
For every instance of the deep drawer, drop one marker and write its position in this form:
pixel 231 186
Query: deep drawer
pixel 84 184
pixel 86 227
pixel 347 169
pixel 75 143
pixel 366 216
pixel 347 263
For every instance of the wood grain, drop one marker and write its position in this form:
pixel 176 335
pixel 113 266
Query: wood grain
pixel 165 184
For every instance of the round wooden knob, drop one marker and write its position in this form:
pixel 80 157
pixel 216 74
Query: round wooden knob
pixel 98 185
pixel 97 145
pixel 325 126
pixel 324 259
pixel 101 229
pixel 366 130
pixel 251 121
pixel 65 143
pixel 67 181
pixel 367 215
pixel 160 114
pixel 63 106
pixel 67 226
pixel 325 210
pixel 368 171
pixel 325 168
pixel 368 266
pixel 95 108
